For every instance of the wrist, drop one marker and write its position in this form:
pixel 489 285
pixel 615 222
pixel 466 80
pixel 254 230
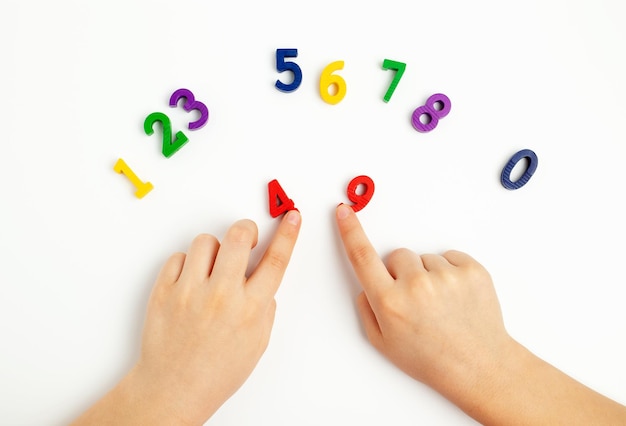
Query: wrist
pixel 478 381
pixel 144 399
pixel 164 396
pixel 130 402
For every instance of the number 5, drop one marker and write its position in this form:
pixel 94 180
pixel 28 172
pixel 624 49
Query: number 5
pixel 282 65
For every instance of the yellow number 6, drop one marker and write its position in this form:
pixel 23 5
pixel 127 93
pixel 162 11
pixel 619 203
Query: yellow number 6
pixel 328 80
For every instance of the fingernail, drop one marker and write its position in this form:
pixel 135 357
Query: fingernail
pixel 343 211
pixel 293 217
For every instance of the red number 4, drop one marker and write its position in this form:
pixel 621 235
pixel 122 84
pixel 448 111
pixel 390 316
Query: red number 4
pixel 279 202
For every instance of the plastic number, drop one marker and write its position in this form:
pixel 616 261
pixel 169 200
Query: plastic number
pixel 142 187
pixel 189 105
pixel 388 64
pixel 170 145
pixel 328 79
pixel 279 202
pixel 282 65
pixel 505 178
pixel 360 200
pixel 431 111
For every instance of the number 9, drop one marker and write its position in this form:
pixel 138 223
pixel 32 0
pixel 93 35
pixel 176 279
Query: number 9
pixel 360 200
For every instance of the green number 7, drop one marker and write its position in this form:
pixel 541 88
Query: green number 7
pixel 388 64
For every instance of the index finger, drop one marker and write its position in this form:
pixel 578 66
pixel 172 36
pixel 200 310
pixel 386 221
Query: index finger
pixel 367 264
pixel 270 270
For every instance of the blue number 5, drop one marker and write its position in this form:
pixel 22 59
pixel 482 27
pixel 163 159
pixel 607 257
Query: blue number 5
pixel 282 65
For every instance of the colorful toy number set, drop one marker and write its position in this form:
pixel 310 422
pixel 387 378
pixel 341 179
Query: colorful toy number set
pixel 333 89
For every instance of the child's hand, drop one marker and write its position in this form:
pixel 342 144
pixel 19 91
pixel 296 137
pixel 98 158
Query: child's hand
pixel 439 320
pixel 435 317
pixel 207 326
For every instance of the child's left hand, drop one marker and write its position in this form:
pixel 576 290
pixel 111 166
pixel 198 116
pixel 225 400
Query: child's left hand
pixel 207 326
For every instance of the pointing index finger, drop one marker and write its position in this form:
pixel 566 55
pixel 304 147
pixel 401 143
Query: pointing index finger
pixel 367 264
pixel 270 270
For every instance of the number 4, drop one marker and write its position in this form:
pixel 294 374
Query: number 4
pixel 388 64
pixel 279 202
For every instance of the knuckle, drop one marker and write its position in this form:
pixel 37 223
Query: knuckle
pixel 220 301
pixel 361 255
pixel 477 271
pixel 388 305
pixel 276 260
pixel 447 276
pixel 419 283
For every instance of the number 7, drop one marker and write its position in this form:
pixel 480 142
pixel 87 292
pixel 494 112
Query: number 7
pixel 388 64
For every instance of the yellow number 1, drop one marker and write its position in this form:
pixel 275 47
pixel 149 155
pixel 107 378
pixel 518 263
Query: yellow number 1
pixel 142 187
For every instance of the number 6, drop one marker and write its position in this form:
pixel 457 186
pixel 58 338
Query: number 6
pixel 328 79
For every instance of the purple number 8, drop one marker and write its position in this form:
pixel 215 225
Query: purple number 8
pixel 433 113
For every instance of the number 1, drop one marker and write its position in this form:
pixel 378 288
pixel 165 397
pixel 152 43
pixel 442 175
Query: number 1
pixel 142 187
pixel 388 64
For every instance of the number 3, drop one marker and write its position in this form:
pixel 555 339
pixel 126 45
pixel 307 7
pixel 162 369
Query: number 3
pixel 189 105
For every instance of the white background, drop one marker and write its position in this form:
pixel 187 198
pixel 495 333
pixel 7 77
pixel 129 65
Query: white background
pixel 79 253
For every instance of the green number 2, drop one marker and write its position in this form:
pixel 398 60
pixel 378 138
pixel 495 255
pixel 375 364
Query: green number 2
pixel 171 143
pixel 388 64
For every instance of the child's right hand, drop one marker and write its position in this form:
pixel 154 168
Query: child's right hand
pixel 437 317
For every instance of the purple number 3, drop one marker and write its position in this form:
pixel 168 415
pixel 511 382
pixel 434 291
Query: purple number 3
pixel 189 105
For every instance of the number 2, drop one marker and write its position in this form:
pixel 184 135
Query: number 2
pixel 388 64
pixel 282 65
pixel 170 145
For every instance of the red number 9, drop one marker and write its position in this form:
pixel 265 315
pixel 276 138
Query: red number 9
pixel 361 199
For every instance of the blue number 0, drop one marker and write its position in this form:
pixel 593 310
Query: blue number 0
pixel 505 177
